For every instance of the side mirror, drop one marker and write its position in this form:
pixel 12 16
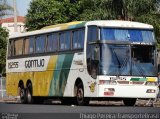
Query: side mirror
pixel 96 53
pixel 95 63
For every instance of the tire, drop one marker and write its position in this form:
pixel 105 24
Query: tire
pixel 29 94
pixel 30 98
pixel 22 94
pixel 129 101
pixel 81 100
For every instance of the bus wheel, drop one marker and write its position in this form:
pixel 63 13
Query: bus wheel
pixel 129 101
pixel 29 93
pixel 22 94
pixel 81 100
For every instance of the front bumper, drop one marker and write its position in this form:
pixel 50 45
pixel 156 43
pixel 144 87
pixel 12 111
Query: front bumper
pixel 127 91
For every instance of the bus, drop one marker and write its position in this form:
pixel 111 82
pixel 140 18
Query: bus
pixel 83 60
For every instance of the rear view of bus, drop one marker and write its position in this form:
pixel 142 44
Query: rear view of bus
pixel 123 59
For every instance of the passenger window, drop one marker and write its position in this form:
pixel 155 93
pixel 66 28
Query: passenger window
pixel 10 48
pixel 75 41
pixel 26 46
pixel 92 34
pixel 29 45
pixel 68 40
pixel 78 39
pixel 18 47
pixel 40 44
pixel 65 40
pixel 62 41
pixel 81 39
pixel 52 42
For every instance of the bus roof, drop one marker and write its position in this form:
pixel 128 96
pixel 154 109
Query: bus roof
pixel 79 24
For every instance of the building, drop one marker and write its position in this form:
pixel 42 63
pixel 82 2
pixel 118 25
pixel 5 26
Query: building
pixel 9 24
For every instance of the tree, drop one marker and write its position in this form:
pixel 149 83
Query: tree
pixel 95 10
pixel 130 9
pixel 4 9
pixel 44 12
pixel 3 46
pixel 155 21
pixel 48 12
pixel 139 10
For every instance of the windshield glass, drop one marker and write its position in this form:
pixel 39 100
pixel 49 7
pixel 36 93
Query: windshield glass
pixel 120 60
pixel 133 35
pixel 114 60
pixel 143 61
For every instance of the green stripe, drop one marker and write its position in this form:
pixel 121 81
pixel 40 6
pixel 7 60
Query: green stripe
pixel 60 76
pixel 138 79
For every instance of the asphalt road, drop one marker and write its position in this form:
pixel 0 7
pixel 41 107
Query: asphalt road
pixel 57 111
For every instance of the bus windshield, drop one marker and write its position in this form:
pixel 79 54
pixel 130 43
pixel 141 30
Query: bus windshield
pixel 121 60
pixel 143 62
pixel 114 60
pixel 132 35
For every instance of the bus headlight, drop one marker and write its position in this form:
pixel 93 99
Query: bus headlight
pixel 150 91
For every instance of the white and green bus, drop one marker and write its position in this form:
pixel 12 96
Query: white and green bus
pixel 81 61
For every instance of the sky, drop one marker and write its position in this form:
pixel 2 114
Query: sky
pixel 22 6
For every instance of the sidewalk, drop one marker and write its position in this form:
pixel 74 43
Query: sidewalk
pixel 148 103
pixel 9 99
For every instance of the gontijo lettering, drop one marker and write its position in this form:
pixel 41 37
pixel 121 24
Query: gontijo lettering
pixel 34 63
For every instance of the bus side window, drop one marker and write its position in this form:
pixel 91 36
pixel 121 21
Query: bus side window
pixel 68 40
pixel 52 42
pixel 81 39
pixel 26 46
pixel 29 45
pixel 75 40
pixel 92 33
pixel 40 44
pixel 65 40
pixel 10 48
pixel 78 39
pixel 18 46
pixel 62 41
